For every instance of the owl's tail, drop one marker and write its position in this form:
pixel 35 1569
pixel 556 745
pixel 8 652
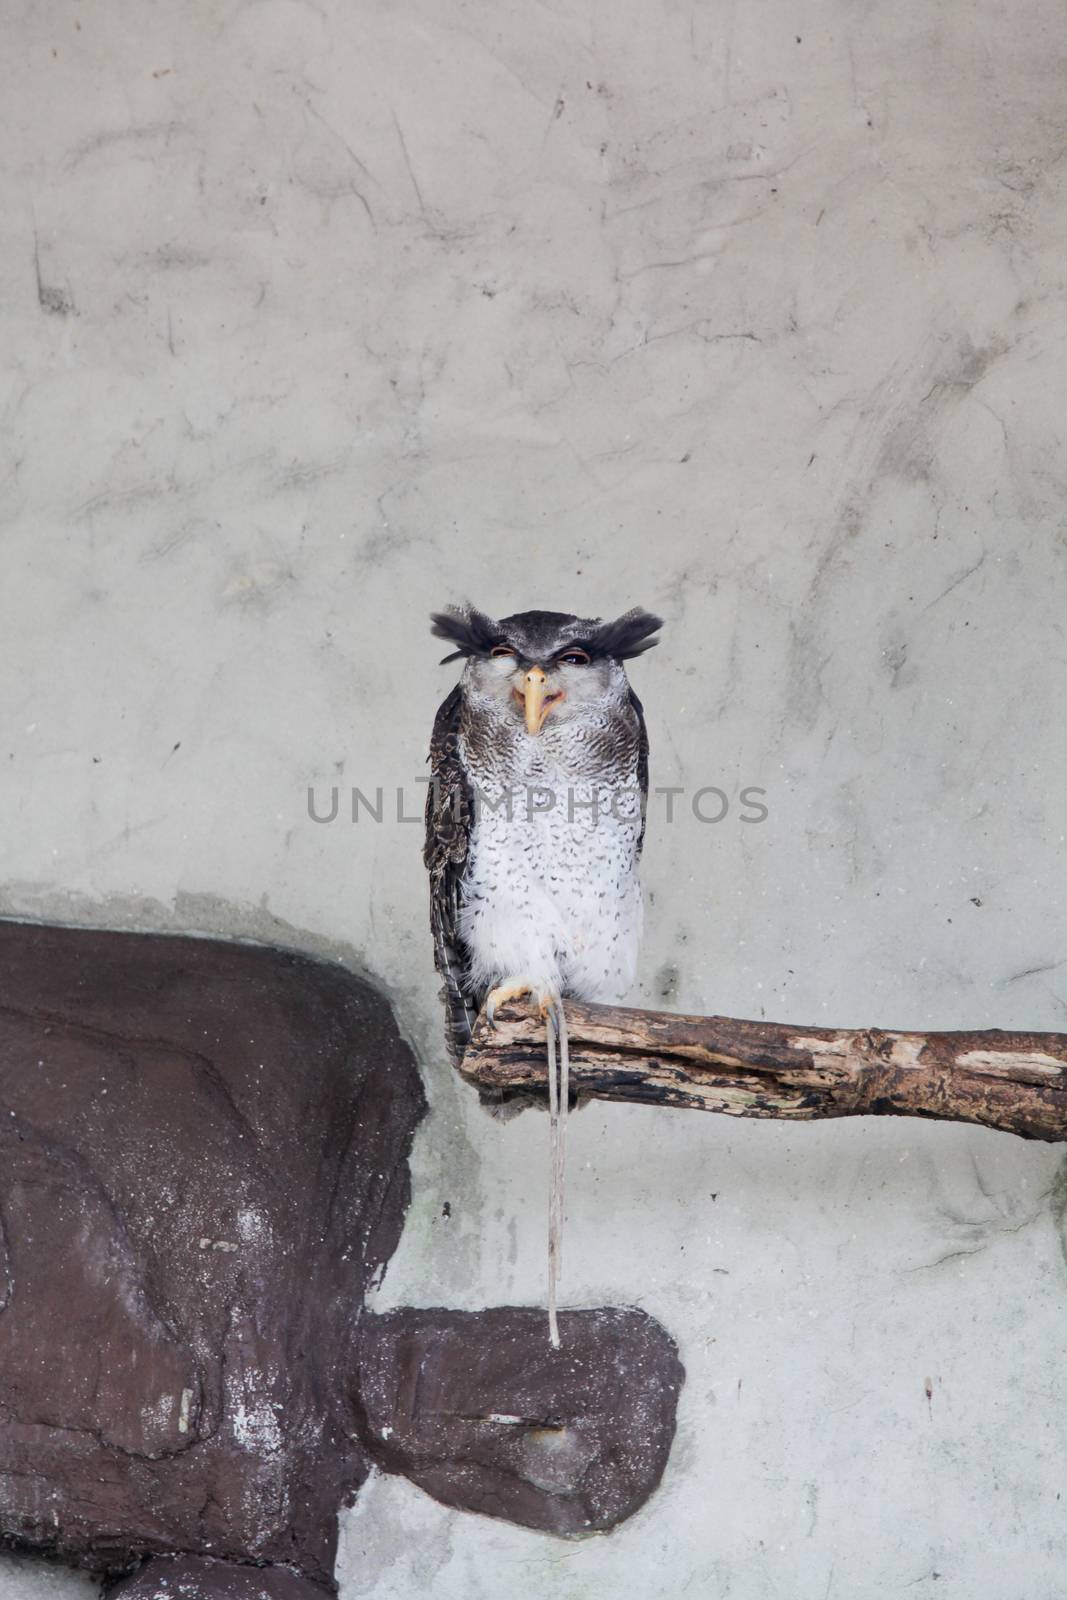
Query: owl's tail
pixel 559 1095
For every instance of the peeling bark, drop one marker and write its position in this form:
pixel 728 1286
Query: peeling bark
pixel 1016 1082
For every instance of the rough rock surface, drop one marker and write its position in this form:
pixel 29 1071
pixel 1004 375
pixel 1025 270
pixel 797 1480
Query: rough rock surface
pixel 479 1410
pixel 202 1149
pixel 202 1578
pixel 202 1167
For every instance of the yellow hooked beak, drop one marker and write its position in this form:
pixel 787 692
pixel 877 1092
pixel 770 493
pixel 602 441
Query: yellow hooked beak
pixel 537 702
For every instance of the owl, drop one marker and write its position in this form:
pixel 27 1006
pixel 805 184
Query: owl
pixel 535 813
pixel 534 827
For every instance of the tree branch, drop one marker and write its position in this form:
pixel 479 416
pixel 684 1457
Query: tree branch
pixel 1013 1081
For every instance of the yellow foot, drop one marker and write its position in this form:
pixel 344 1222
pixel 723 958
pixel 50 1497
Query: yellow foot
pixel 514 989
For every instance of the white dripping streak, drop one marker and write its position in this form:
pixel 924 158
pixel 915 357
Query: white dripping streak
pixel 558 1105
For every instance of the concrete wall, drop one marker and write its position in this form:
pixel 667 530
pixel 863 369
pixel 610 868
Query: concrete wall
pixel 317 316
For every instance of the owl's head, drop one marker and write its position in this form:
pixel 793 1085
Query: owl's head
pixel 541 664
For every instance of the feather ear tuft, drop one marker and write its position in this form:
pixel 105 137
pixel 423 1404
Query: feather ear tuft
pixel 628 635
pixel 472 631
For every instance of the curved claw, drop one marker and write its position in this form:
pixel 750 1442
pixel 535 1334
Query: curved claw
pixel 548 1006
pixel 512 990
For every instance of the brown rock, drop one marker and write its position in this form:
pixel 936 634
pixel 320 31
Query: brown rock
pixel 481 1412
pixel 203 1165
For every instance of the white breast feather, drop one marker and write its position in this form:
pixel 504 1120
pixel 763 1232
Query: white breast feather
pixel 555 896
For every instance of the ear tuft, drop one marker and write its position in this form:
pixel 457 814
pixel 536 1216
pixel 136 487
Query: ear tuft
pixel 472 631
pixel 628 635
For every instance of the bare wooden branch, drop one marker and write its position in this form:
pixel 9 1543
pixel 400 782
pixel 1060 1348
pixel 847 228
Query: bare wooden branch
pixel 1013 1081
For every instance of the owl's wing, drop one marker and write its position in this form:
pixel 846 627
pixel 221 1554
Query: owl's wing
pixel 642 763
pixel 449 812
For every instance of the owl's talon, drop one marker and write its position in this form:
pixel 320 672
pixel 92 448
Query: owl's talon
pixel 502 994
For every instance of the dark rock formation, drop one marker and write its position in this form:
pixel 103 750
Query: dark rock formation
pixel 202 1168
pixel 480 1411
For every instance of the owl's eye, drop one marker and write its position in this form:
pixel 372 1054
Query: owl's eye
pixel 502 650
pixel 575 657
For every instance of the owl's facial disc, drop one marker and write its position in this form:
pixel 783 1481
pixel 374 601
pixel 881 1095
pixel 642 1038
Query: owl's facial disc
pixel 536 699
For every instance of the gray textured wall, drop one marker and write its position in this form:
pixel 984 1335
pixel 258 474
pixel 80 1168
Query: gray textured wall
pixel 317 316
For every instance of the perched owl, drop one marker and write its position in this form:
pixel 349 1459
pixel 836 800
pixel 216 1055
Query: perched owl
pixel 534 825
pixel 534 818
